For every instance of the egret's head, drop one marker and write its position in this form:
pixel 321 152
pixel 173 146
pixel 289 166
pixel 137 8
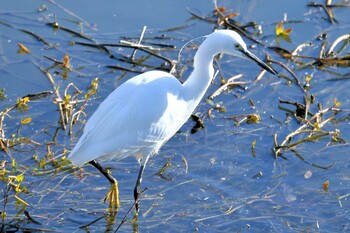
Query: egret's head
pixel 232 43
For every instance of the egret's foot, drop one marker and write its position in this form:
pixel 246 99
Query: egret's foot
pixel 135 225
pixel 113 195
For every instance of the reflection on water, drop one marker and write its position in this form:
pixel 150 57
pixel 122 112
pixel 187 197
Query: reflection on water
pixel 223 186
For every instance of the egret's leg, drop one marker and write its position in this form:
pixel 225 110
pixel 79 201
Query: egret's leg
pixel 137 189
pixel 113 194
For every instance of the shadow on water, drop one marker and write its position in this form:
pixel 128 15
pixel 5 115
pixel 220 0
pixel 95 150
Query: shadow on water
pixel 260 153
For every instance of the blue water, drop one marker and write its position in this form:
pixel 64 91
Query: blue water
pixel 222 190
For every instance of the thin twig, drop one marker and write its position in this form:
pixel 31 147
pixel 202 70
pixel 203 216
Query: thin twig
pixel 289 70
pixel 139 42
pixel 336 42
pixel 127 214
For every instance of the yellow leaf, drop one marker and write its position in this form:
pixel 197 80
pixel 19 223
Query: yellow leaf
pixel 309 77
pixel 221 9
pixel 67 97
pixel 22 49
pixel 93 88
pixel 21 104
pixel 231 15
pixel 287 31
pixel 280 31
pixel 336 103
pixel 42 163
pixel 66 61
pixel 94 85
pixel 26 140
pixel 253 143
pixel 25 100
pixel 253 119
pixel 26 121
pixel 316 125
pixel 14 163
pixel 19 178
pixel 325 186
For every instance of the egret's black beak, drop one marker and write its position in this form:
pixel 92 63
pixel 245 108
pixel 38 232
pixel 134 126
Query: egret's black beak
pixel 258 61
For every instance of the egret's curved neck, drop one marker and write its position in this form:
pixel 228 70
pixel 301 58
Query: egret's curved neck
pixel 198 82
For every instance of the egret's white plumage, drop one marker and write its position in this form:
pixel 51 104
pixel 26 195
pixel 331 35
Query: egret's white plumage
pixel 143 113
pixel 122 125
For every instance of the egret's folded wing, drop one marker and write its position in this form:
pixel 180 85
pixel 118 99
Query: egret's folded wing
pixel 135 119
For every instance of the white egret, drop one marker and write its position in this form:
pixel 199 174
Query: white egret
pixel 144 112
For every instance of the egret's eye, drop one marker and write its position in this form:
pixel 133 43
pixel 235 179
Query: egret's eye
pixel 237 46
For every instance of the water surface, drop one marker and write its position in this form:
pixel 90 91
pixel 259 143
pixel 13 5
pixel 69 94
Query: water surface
pixel 226 188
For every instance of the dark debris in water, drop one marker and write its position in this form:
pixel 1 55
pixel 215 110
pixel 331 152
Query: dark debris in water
pixel 139 53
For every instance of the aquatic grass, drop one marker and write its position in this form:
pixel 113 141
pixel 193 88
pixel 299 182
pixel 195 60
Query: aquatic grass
pixel 76 87
pixel 71 103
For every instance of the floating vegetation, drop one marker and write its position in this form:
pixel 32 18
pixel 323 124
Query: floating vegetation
pixel 70 101
pixel 282 33
pixel 304 116
pixel 247 118
pixel 22 49
pixel 312 125
pixel 328 8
